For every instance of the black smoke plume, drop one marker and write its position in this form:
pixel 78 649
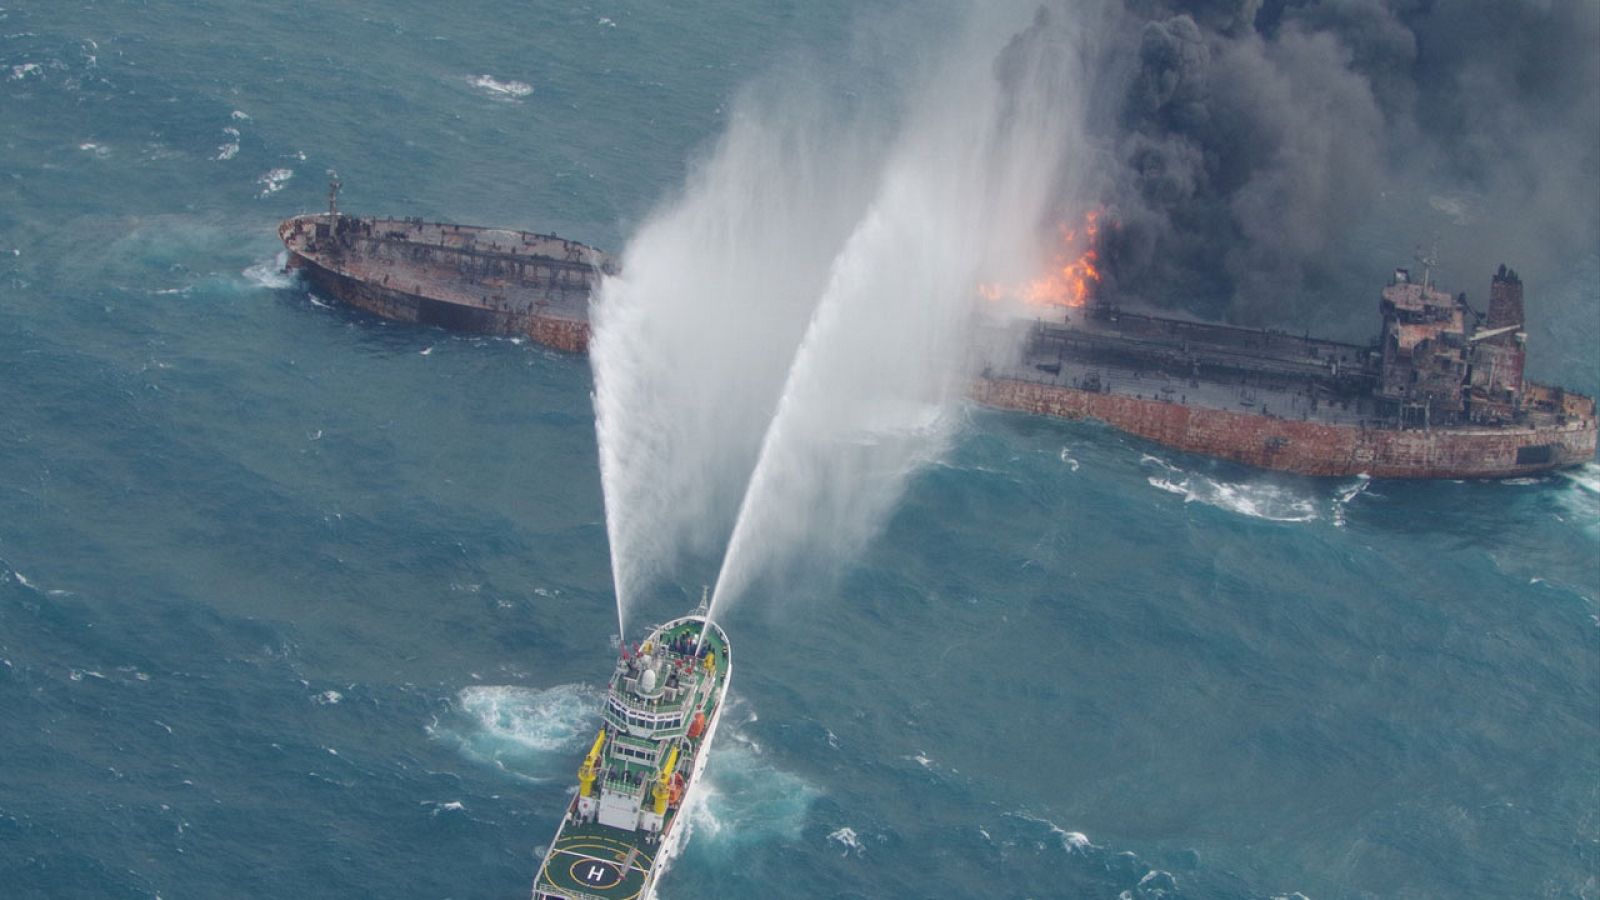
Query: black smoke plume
pixel 1256 148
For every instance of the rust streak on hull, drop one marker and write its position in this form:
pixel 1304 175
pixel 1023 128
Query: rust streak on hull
pixel 1308 448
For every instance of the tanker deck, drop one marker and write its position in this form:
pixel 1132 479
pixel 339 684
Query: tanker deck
pixel 461 277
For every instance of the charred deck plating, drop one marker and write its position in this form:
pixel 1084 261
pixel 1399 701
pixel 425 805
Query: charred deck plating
pixel 1440 394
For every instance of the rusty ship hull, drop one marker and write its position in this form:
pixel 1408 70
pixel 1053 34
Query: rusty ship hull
pixel 1305 447
pixel 1295 404
pixel 1255 397
pixel 461 277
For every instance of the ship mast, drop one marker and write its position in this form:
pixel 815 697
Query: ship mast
pixel 1428 257
pixel 333 193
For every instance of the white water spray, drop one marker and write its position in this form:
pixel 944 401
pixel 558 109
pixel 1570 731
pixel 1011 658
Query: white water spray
pixel 886 359
pixel 807 302
pixel 692 341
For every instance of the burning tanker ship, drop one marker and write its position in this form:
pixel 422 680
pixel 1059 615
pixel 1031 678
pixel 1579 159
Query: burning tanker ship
pixel 1439 394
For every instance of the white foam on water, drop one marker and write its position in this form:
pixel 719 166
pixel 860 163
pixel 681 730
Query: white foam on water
pixel 273 180
pixel 1585 477
pixel 1347 494
pixel 846 837
pixel 328 698
pixel 1068 460
pixel 1071 841
pixel 524 725
pixel 226 151
pixel 25 70
pixel 99 151
pixel 742 800
pixel 494 87
pixel 239 115
pixel 1580 497
pixel 271 273
pixel 1156 883
pixel 1258 500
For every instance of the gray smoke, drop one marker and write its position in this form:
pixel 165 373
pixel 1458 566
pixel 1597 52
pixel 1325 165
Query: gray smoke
pixel 1258 148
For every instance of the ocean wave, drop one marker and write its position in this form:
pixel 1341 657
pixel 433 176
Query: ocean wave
pixel 7 573
pixel 1585 477
pixel 273 180
pixel 444 806
pixel 1346 494
pixel 1258 500
pixel 1066 458
pixel 1580 497
pixel 1071 841
pixel 494 87
pixel 846 837
pixel 1144 881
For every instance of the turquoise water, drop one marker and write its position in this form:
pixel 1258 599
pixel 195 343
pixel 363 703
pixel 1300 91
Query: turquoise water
pixel 294 602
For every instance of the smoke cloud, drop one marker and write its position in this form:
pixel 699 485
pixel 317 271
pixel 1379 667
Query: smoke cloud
pixel 1258 147
pixel 789 331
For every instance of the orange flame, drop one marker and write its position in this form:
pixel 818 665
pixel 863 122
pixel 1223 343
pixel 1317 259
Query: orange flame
pixel 1076 272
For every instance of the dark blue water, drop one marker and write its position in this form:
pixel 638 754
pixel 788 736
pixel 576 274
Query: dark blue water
pixel 294 602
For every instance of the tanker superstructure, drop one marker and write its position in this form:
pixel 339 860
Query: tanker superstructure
pixel 624 824
pixel 1440 394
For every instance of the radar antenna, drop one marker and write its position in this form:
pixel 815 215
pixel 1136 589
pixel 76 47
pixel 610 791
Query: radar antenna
pixel 333 193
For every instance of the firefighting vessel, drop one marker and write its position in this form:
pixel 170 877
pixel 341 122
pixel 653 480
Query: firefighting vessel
pixel 1439 394
pixel 623 825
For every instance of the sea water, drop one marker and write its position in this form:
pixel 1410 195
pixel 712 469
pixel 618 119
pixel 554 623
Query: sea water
pixel 296 602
